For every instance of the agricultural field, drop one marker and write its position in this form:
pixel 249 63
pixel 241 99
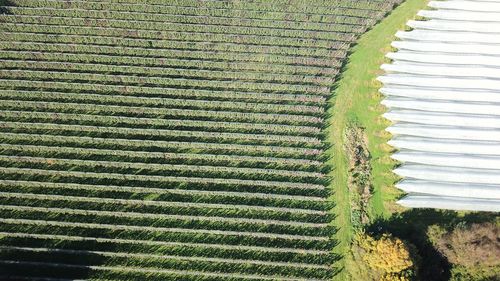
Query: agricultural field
pixel 170 139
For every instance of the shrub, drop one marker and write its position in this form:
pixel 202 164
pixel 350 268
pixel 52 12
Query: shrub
pixel 388 257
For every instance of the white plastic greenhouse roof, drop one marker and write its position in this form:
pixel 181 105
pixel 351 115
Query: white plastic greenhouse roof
pixel 442 91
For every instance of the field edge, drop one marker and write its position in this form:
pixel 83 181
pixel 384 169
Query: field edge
pixel 354 93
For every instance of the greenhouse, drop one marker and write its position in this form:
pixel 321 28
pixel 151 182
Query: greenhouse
pixel 441 91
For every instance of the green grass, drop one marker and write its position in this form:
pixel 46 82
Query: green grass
pixel 357 101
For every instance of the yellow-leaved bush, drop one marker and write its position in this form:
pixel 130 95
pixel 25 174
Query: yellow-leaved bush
pixel 388 255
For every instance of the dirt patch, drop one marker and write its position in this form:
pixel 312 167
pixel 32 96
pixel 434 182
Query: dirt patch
pixel 360 188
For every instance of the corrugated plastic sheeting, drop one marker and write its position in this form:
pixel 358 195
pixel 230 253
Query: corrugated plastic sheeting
pixel 453 203
pixel 443 95
pixel 427 144
pixel 476 60
pixel 449 119
pixel 447 25
pixel 459 107
pixel 446 159
pixel 473 16
pixel 451 189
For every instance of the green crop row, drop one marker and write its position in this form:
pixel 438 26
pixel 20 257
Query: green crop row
pixel 314 65
pixel 73 271
pixel 291 256
pixel 272 53
pixel 275 216
pixel 259 186
pixel 156 123
pixel 160 81
pixel 307 72
pixel 220 175
pixel 156 261
pixel 179 170
pixel 330 13
pixel 226 226
pixel 142 27
pixel 277 5
pixel 194 94
pixel 153 102
pixel 171 169
pixel 283 6
pixel 162 158
pixel 161 146
pixel 351 27
pixel 185 209
pixel 161 135
pixel 176 195
pixel 129 198
pixel 97 228
pixel 215 201
pixel 170 35
pixel 167 113
pixel 175 72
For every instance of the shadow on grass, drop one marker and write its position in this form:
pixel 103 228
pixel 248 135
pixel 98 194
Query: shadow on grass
pixel 52 263
pixel 412 226
pixel 4 6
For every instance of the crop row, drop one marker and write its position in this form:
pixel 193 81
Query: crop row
pixel 309 53
pixel 352 26
pixel 160 81
pixel 166 113
pixel 161 146
pixel 42 241
pixel 249 227
pixel 57 255
pixel 277 5
pixel 76 271
pixel 164 103
pixel 84 224
pixel 141 91
pixel 162 205
pixel 179 170
pixel 292 214
pixel 313 65
pixel 166 204
pixel 163 158
pixel 219 75
pixel 160 134
pixel 307 72
pixel 171 35
pixel 160 261
pixel 72 271
pixel 142 27
pixel 218 184
pixel 156 123
pixel 175 195
pixel 255 253
pixel 101 169
pixel 68 250
pixel 274 215
pixel 202 211
pixel 248 10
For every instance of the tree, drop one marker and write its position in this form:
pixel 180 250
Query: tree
pixel 474 250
